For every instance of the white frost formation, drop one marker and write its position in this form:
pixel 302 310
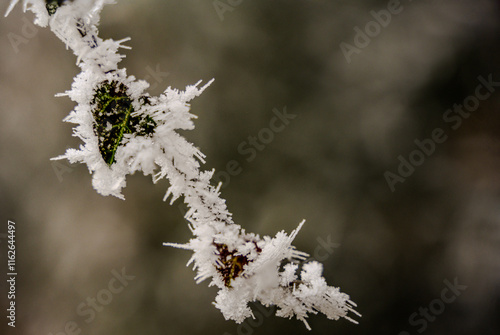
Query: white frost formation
pixel 125 130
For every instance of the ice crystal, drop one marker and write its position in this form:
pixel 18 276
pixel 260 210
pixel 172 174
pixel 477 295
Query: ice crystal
pixel 125 130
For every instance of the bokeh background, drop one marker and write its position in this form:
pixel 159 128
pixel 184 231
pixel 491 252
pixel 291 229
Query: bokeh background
pixel 353 120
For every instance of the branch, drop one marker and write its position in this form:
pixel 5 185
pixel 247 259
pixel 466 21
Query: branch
pixel 125 130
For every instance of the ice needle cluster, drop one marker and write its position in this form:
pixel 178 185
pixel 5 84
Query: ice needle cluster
pixel 125 130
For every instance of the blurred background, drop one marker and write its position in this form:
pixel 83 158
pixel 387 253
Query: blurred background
pixel 355 112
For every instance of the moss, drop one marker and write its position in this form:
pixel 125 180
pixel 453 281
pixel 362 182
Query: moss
pixel 113 119
pixel 53 5
pixel 231 265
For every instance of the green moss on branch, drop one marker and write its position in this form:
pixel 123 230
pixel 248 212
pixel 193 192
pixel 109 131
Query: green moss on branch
pixel 113 119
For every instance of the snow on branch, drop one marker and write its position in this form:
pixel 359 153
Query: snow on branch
pixel 125 130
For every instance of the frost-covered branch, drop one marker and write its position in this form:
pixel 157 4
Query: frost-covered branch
pixel 125 130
